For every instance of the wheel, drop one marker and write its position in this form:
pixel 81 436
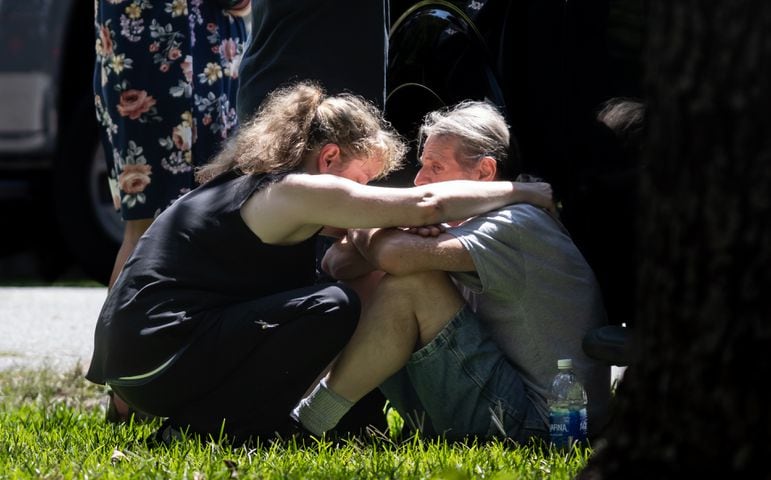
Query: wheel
pixel 89 224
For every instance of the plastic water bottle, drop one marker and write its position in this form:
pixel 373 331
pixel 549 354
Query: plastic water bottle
pixel 567 407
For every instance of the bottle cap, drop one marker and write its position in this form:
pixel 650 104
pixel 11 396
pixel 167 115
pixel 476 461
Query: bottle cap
pixel 564 363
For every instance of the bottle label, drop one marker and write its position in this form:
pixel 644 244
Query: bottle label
pixel 567 426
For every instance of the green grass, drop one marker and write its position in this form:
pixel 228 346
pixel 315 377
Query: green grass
pixel 52 427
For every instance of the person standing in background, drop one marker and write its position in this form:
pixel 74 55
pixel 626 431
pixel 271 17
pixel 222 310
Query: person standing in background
pixel 342 44
pixel 165 86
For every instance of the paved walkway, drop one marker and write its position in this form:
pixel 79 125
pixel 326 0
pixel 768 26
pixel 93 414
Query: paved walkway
pixel 48 326
pixel 52 326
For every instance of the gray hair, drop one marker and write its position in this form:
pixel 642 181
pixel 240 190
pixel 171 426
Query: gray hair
pixel 478 126
pixel 625 117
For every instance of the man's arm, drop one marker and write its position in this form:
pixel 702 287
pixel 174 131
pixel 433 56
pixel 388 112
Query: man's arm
pixel 400 253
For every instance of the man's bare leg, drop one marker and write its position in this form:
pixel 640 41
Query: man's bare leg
pixel 405 313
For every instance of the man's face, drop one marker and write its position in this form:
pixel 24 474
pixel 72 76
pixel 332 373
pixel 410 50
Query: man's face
pixel 440 162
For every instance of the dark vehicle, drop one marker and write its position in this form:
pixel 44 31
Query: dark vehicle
pixel 49 149
pixel 547 64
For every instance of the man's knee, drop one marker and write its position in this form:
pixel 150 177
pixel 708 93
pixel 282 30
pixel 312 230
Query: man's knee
pixel 431 298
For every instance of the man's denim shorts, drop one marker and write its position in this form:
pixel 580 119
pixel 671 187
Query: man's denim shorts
pixel 462 385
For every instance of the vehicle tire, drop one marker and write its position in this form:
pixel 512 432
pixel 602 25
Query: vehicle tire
pixel 88 222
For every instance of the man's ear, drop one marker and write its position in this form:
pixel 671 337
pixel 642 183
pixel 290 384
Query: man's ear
pixel 488 168
pixel 328 156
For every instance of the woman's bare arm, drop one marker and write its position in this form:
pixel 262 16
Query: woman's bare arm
pixel 293 209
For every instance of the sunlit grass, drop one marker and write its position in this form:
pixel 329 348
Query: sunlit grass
pixel 52 426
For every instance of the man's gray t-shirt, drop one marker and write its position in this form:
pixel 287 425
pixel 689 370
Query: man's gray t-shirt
pixel 538 296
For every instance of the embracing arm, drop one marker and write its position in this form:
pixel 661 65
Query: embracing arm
pixel 296 207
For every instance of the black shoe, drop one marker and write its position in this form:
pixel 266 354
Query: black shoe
pixel 166 434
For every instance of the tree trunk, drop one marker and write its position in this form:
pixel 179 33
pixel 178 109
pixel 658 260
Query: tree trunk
pixel 697 400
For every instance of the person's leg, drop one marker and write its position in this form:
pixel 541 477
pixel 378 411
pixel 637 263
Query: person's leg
pixel 132 230
pixel 118 410
pixel 254 363
pixel 405 313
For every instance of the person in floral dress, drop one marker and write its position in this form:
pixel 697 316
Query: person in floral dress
pixel 165 84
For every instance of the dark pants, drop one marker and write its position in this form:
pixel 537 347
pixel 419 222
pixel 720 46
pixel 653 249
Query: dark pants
pixel 254 365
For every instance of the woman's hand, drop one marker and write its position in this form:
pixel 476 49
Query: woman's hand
pixel 539 194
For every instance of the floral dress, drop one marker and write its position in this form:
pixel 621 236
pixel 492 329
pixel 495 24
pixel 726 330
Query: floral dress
pixel 165 84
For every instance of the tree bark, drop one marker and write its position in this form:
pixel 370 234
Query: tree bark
pixel 697 399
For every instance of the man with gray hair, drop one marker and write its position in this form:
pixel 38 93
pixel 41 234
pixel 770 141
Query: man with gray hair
pixel 465 327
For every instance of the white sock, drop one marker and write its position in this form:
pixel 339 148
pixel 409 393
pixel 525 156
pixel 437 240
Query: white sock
pixel 321 410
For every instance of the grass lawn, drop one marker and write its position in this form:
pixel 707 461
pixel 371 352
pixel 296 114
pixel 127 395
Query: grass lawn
pixel 52 427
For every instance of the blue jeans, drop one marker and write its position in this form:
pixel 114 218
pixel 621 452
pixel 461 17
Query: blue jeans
pixel 462 385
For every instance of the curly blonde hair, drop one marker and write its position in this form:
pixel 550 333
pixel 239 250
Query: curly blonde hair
pixel 296 121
